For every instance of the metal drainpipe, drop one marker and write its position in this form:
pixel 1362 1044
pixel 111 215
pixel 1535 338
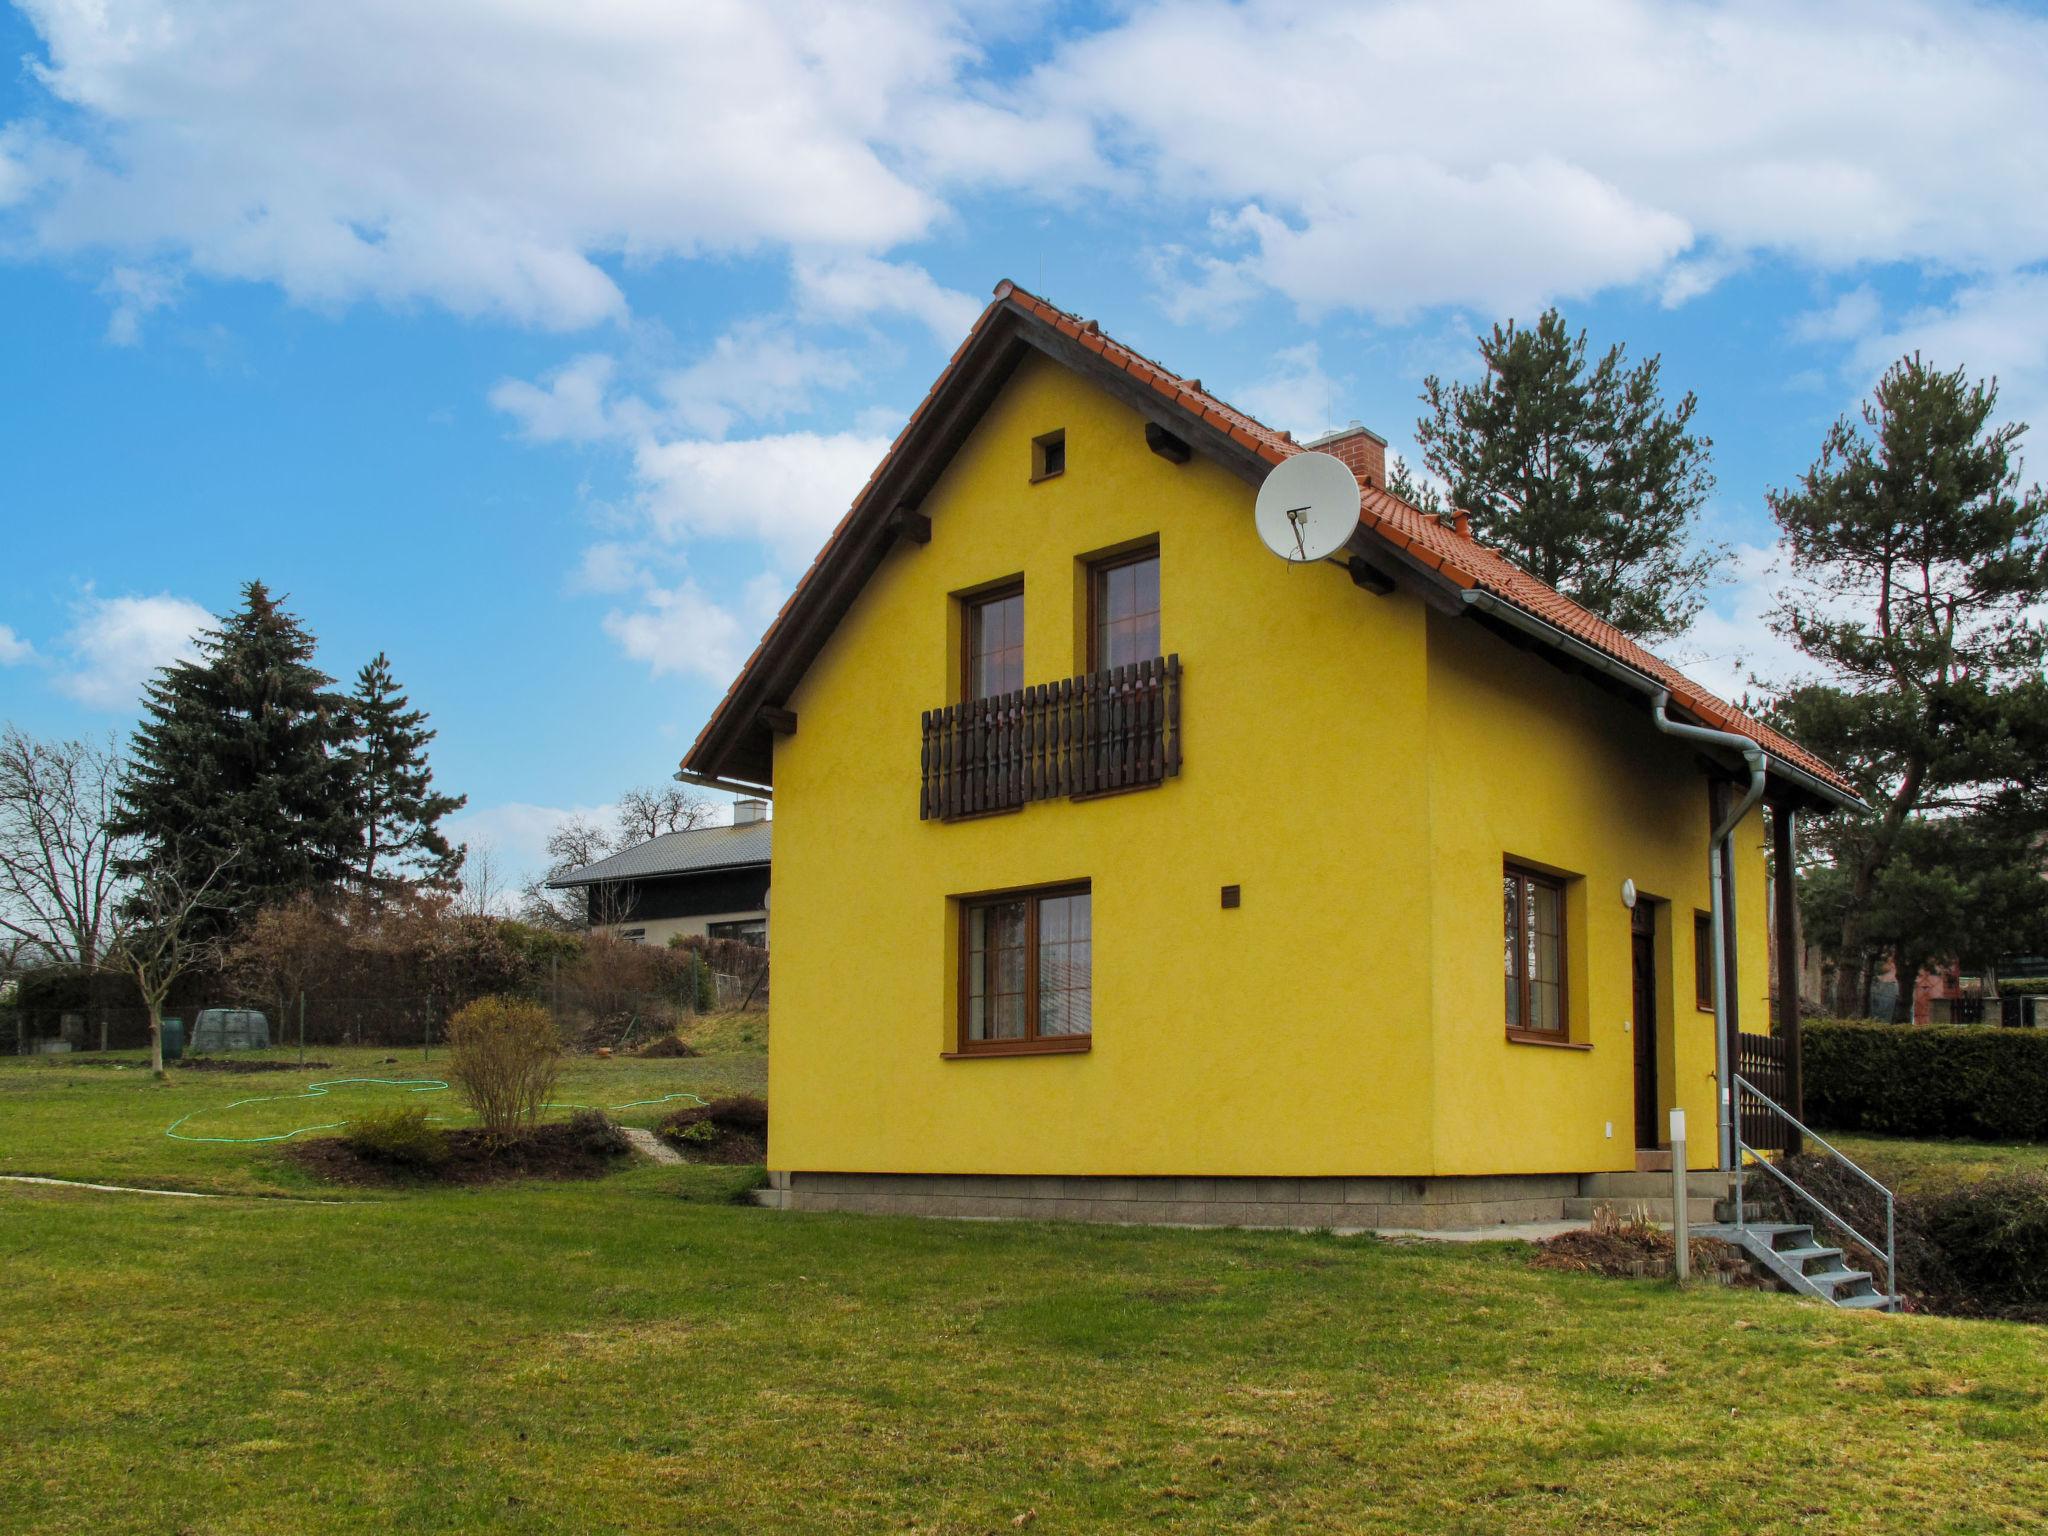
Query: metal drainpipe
pixel 1723 900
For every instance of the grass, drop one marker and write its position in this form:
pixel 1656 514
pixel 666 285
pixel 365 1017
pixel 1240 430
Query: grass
pixel 1907 1163
pixel 104 1118
pixel 639 1353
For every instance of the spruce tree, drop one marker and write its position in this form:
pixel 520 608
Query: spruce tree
pixel 239 756
pixel 1578 474
pixel 395 799
pixel 1921 565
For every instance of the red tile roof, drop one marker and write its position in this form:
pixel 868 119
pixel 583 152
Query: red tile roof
pixel 1459 559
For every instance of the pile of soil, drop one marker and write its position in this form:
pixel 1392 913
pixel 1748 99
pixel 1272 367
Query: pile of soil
pixel 1641 1251
pixel 733 1130
pixel 229 1064
pixel 667 1045
pixel 586 1147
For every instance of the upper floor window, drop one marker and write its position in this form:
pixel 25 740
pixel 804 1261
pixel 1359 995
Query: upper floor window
pixel 1532 906
pixel 1124 610
pixel 1049 455
pixel 995 643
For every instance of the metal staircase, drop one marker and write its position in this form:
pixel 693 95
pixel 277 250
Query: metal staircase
pixel 1792 1250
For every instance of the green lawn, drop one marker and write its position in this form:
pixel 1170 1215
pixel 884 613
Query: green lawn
pixel 639 1354
pixel 1909 1164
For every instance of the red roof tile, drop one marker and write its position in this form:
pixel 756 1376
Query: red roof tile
pixel 1462 560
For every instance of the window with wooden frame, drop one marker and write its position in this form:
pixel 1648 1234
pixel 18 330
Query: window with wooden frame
pixel 1123 609
pixel 1049 455
pixel 1703 960
pixel 1026 968
pixel 992 659
pixel 1532 907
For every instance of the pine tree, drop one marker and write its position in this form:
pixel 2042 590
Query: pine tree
pixel 1579 475
pixel 238 764
pixel 1920 566
pixel 395 800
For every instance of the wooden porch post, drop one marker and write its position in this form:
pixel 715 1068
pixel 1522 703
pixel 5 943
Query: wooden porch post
pixel 1786 905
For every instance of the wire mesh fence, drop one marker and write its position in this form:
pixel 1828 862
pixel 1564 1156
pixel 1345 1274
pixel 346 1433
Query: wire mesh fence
pixel 586 1017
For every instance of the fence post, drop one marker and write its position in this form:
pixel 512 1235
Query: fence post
pixel 1681 1222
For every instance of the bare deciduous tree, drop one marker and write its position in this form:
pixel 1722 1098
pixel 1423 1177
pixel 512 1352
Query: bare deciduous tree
pixel 161 939
pixel 482 891
pixel 652 811
pixel 60 886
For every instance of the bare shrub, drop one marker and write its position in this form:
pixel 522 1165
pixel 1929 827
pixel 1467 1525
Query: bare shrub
pixel 505 1055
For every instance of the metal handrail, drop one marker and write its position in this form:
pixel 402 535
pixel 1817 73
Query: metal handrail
pixel 1888 1253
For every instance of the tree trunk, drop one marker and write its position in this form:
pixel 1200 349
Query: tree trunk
pixel 156 1037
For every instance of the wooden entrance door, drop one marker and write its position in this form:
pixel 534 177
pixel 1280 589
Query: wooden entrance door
pixel 1649 1132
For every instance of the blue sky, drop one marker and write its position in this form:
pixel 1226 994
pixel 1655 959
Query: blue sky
pixel 537 346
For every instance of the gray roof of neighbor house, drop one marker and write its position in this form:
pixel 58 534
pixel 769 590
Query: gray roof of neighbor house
pixel 678 853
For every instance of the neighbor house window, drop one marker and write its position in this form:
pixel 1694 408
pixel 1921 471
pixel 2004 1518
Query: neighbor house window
pixel 633 935
pixel 748 931
pixel 1532 906
pixel 1026 968
pixel 1049 455
pixel 995 643
pixel 1123 601
pixel 1703 959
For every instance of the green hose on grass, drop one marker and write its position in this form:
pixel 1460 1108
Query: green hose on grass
pixel 319 1091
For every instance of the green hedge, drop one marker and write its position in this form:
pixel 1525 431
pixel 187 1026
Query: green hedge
pixel 1975 1080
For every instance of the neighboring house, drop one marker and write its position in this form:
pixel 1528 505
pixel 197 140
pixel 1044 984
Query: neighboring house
pixel 708 881
pixel 1130 872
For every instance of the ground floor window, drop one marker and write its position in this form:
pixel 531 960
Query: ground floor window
pixel 752 930
pixel 1532 906
pixel 1703 960
pixel 1026 971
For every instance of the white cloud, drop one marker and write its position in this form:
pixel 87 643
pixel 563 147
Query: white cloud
pixel 118 642
pixel 862 287
pixel 568 405
pixel 1997 328
pixel 513 159
pixel 136 293
pixel 679 631
pixel 1391 156
pixel 490 157
pixel 1296 394
pixel 1851 317
pixel 13 649
pixel 757 371
pixel 785 491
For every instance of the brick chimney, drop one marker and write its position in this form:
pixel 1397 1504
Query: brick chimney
pixel 1363 450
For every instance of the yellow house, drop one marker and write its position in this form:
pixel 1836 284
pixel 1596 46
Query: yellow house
pixel 1126 871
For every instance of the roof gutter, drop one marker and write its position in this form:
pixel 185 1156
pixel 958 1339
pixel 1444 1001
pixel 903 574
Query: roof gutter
pixel 730 786
pixel 1649 687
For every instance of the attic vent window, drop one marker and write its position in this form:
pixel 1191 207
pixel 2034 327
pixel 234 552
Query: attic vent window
pixel 1049 455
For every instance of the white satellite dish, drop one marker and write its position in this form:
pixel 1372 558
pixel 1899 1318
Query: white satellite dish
pixel 1308 507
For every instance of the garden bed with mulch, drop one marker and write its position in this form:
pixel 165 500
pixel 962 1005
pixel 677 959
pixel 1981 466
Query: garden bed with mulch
pixel 228 1064
pixel 667 1046
pixel 733 1130
pixel 1641 1250
pixel 585 1147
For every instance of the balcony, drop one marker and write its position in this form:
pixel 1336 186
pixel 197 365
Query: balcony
pixel 1089 735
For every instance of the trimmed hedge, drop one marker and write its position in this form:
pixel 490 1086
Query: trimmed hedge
pixel 1976 1081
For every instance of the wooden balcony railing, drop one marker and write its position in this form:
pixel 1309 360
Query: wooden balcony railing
pixel 1088 735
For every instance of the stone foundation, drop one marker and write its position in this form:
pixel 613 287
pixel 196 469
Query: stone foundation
pixel 1430 1204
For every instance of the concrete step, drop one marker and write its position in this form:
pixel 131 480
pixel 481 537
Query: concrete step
pixel 1872 1300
